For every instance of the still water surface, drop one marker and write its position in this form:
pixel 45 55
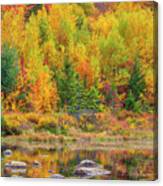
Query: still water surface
pixel 126 164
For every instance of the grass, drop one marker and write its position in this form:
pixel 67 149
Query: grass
pixel 96 130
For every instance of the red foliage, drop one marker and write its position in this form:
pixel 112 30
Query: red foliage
pixel 122 89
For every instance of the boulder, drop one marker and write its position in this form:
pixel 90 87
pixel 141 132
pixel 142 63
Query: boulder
pixel 57 176
pixel 89 168
pixel 16 164
pixel 88 163
pixel 91 172
pixel 7 152
pixel 16 167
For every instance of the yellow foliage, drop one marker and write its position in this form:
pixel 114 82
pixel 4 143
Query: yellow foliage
pixel 32 117
pixel 14 120
pixel 13 28
pixel 115 36
pixel 43 96
pixel 104 24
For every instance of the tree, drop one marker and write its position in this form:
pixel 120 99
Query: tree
pixel 9 68
pixel 85 72
pixel 113 56
pixel 74 94
pixel 43 96
pixel 100 42
pixel 13 27
pixel 67 85
pixel 87 98
pixel 93 99
pixel 136 88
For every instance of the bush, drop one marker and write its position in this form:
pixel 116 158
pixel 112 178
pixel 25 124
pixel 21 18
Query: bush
pixel 32 117
pixel 57 124
pixel 10 125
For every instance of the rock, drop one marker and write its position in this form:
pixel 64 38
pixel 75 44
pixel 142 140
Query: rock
pixel 88 163
pixel 16 167
pixel 36 164
pixel 91 172
pixel 57 176
pixel 89 168
pixel 16 164
pixel 7 152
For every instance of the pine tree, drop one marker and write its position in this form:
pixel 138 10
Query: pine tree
pixel 67 86
pixel 9 68
pixel 81 97
pixel 136 88
pixel 93 99
pixel 73 92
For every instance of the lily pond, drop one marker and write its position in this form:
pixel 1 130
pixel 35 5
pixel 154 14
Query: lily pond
pixel 66 163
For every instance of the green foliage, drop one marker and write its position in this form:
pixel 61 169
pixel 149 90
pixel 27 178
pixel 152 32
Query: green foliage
pixel 43 26
pixel 82 34
pixel 87 99
pixel 67 84
pixel 113 53
pixel 137 83
pixel 79 22
pixel 93 99
pixel 131 103
pixel 9 68
pixel 136 88
pixel 73 93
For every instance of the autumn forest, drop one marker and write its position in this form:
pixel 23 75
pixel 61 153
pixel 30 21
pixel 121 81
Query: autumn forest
pixel 80 77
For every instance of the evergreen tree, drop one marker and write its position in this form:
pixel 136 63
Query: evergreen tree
pixel 81 97
pixel 9 68
pixel 135 89
pixel 93 99
pixel 67 86
pixel 73 93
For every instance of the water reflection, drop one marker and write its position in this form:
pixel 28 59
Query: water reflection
pixel 128 164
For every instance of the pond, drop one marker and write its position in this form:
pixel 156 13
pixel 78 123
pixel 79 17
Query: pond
pixel 123 164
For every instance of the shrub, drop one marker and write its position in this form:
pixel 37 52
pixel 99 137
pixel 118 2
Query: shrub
pixel 11 124
pixel 32 117
pixel 57 124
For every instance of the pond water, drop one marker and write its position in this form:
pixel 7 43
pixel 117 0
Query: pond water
pixel 123 164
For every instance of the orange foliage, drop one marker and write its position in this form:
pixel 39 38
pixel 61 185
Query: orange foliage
pixel 43 96
pixel 85 72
